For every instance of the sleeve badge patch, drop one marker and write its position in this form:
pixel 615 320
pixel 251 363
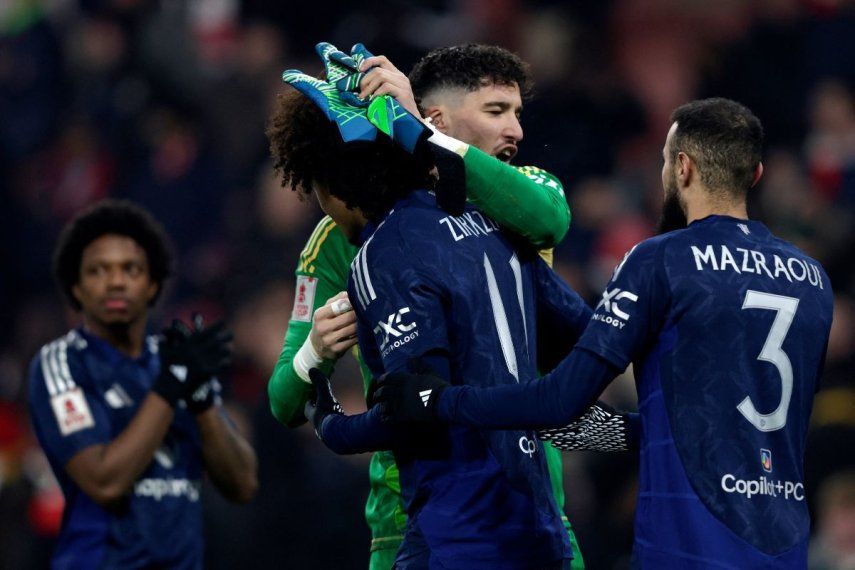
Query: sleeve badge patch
pixel 304 299
pixel 71 411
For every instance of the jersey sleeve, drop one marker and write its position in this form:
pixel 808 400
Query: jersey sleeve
pixel 526 200
pixel 632 307
pixel 66 415
pixel 401 307
pixel 321 273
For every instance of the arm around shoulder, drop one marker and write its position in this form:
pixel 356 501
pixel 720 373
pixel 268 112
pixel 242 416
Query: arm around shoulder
pixel 527 201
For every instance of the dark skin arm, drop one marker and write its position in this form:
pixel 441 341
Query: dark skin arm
pixel 229 460
pixel 107 472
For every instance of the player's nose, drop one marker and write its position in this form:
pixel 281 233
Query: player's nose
pixel 116 279
pixel 513 129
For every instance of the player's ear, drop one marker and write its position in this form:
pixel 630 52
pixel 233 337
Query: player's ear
pixel 685 169
pixel 437 116
pixel 75 292
pixel 758 173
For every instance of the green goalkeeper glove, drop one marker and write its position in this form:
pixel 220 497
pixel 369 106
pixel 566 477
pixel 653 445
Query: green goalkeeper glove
pixel 342 70
pixel 352 122
pixel 384 112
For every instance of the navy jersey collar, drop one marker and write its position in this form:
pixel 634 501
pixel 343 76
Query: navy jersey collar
pixel 415 197
pixel 111 353
pixel 752 225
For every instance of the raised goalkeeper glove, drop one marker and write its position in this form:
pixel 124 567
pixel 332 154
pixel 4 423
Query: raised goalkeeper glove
pixel 342 70
pixel 384 112
pixel 352 121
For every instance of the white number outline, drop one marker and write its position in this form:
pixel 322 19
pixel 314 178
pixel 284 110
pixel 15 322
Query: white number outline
pixel 773 352
pixel 500 317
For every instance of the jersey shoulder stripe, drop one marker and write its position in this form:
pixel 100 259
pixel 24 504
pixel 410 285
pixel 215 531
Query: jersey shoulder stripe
pixel 362 277
pixel 313 245
pixel 54 363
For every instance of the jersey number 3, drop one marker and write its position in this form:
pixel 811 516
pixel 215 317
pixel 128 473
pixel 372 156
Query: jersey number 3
pixel 773 352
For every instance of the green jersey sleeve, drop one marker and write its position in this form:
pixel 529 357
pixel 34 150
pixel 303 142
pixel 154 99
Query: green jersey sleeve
pixel 321 273
pixel 526 200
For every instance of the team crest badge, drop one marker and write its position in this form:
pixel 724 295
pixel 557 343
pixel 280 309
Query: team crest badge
pixel 304 298
pixel 766 460
pixel 71 411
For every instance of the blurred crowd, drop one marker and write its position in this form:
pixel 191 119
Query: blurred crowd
pixel 165 102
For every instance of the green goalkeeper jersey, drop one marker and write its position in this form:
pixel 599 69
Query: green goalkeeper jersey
pixel 525 200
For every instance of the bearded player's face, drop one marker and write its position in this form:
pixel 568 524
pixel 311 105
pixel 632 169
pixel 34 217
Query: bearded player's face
pixel 673 216
pixel 488 118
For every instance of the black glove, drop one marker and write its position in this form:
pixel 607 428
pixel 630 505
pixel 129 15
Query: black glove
pixel 410 397
pixel 601 428
pixel 204 397
pixel 188 359
pixel 323 404
pixel 450 189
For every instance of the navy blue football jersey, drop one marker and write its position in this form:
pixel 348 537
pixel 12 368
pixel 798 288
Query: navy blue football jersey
pixel 426 282
pixel 727 327
pixel 84 392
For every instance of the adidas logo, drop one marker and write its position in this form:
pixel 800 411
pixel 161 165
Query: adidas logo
pixel 179 372
pixel 425 394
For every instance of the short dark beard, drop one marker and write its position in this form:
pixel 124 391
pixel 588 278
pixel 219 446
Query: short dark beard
pixel 673 217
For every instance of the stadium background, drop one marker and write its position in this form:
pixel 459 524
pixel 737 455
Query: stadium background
pixel 165 103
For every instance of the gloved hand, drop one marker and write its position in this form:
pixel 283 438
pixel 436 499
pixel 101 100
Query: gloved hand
pixel 410 397
pixel 204 397
pixel 352 121
pixel 601 428
pixel 189 359
pixel 208 394
pixel 323 404
pixel 342 70
pixel 384 112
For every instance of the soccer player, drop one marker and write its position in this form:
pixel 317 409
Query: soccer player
pixel 726 326
pixel 456 292
pixel 129 423
pixel 474 95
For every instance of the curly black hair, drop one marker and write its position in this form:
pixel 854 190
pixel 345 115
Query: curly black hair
pixel 118 217
pixel 469 67
pixel 307 150
pixel 724 138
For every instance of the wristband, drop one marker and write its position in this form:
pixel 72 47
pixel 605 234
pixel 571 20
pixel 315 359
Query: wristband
pixel 445 141
pixel 306 359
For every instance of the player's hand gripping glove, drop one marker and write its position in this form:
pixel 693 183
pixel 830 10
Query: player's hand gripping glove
pixel 601 428
pixel 323 405
pixel 384 112
pixel 410 397
pixel 189 359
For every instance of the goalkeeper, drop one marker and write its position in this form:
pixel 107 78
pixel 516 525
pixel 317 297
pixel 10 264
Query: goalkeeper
pixel 473 96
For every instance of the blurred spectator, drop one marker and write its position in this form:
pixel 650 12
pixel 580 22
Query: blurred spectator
pixel 834 545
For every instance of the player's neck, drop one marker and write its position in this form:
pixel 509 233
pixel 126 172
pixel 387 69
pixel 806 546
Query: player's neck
pixel 124 337
pixel 699 209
